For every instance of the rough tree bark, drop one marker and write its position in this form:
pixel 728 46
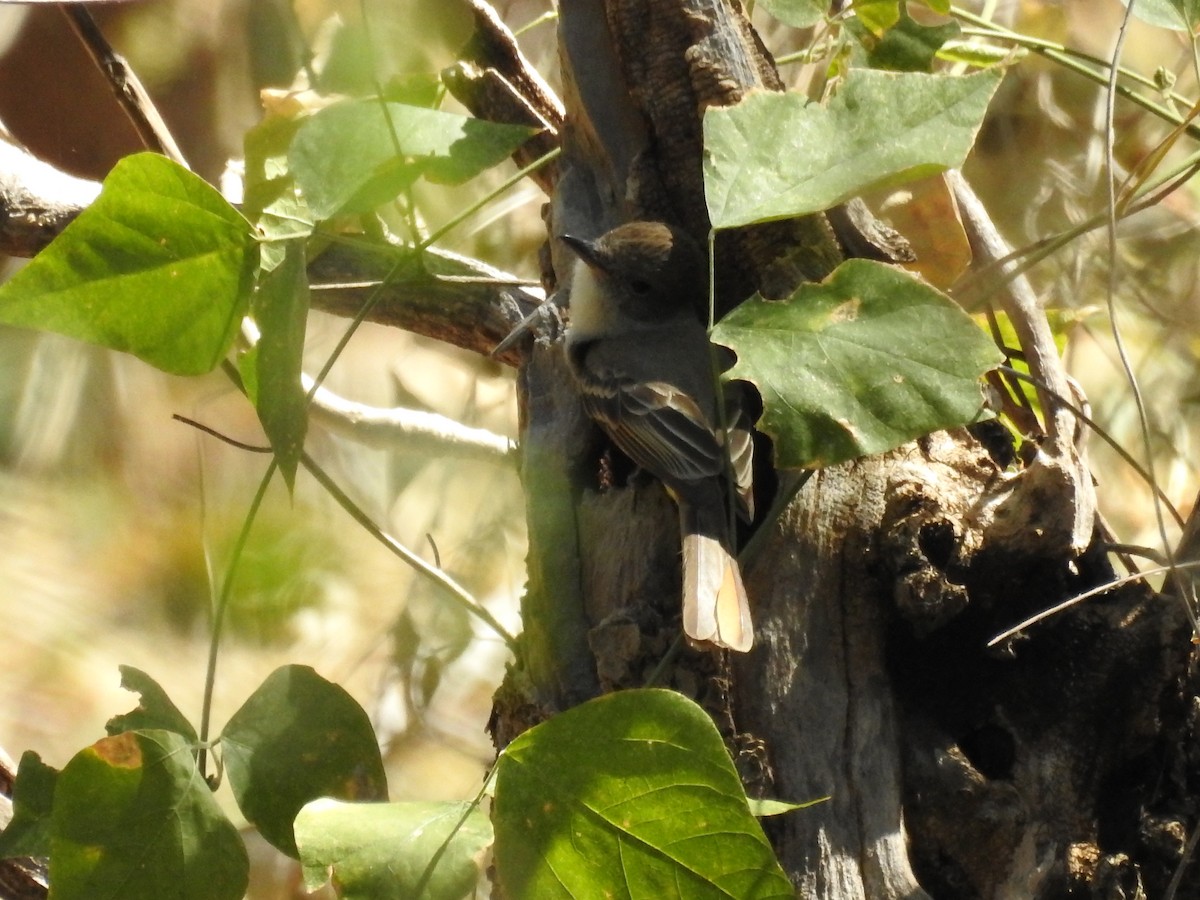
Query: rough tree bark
pixel 1044 768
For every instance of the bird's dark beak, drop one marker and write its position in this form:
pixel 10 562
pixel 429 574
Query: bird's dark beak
pixel 585 250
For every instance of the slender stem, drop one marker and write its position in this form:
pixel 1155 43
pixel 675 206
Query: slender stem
pixel 1086 595
pixel 218 623
pixel 1102 434
pixel 517 177
pixel 1040 250
pixel 452 588
pixel 1182 584
pixel 1075 61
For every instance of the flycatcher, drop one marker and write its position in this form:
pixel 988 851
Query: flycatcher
pixel 645 369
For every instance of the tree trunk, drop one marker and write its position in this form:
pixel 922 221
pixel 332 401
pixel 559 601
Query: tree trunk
pixel 1045 767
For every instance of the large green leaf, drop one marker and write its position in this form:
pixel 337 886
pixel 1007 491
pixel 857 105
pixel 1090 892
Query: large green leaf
pixel 866 360
pixel 358 155
pixel 158 266
pixel 775 155
pixel 629 795
pixel 133 820
pixel 393 851
pixel 156 709
pixel 299 737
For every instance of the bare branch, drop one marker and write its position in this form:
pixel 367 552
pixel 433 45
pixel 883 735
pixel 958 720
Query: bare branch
pixel 456 299
pixel 37 201
pixel 495 81
pixel 408 430
pixel 474 314
pixel 127 87
pixel 1060 470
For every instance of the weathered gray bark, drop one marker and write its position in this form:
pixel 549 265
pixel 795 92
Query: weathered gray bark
pixel 953 771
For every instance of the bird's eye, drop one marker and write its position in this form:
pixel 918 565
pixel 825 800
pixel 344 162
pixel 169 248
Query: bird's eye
pixel 639 287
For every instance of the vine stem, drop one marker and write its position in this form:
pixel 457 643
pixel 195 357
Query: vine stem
pixel 1084 64
pixel 222 604
pixel 1183 585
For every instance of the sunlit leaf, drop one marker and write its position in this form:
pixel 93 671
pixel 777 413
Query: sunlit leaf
pixel 158 266
pixel 765 808
pixel 297 738
pixel 356 156
pixel 978 54
pixel 134 820
pixel 779 155
pixel 1178 15
pixel 863 362
pixel 393 851
pixel 877 15
pixel 629 795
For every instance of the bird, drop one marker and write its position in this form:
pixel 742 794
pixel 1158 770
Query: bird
pixel 646 372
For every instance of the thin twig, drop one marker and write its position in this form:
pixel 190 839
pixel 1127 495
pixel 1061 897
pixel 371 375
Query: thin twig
pixel 1079 598
pixel 224 438
pixel 1096 428
pixel 127 87
pixel 1188 850
pixel 1021 304
pixel 451 588
pixel 1182 585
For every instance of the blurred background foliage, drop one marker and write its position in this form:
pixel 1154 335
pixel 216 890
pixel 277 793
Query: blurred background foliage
pixel 115 520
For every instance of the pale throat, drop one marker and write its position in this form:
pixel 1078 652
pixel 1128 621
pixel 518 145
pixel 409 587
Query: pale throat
pixel 592 315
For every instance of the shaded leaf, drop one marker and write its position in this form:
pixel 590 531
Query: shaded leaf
pixel 159 266
pixel 297 738
pixel 926 214
pixel 796 13
pixel 777 155
pixel 864 361
pixel 156 710
pixel 133 820
pixel 28 832
pixel 629 795
pixel 280 309
pixel 356 156
pixel 380 851
pixel 907 46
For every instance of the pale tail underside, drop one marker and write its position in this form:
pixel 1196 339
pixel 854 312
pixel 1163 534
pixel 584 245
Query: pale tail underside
pixel 715 608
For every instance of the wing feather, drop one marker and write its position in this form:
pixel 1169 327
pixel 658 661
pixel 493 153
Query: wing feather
pixel 658 426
